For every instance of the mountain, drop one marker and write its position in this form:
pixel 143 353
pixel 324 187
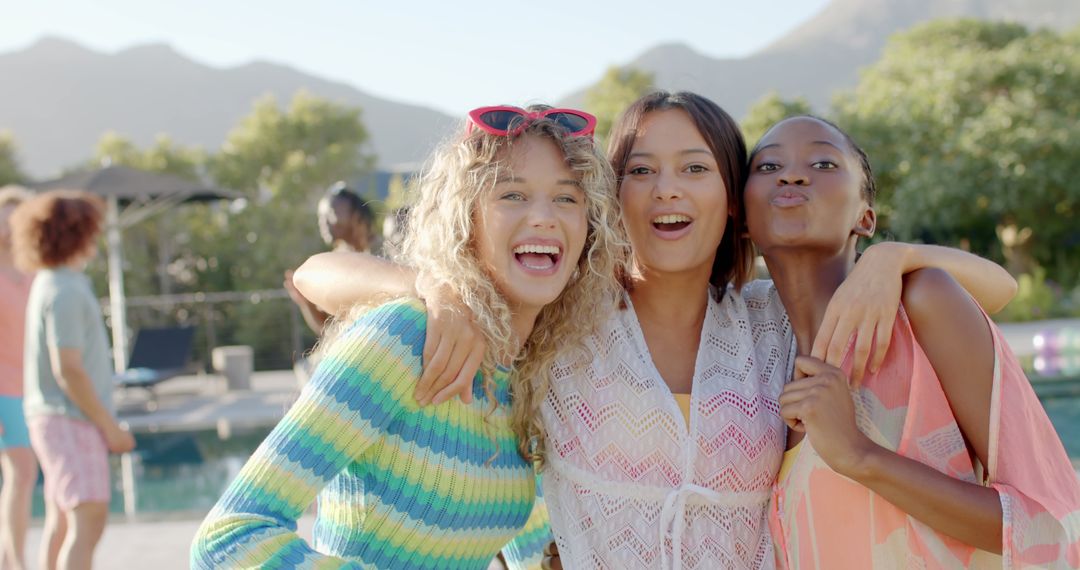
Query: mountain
pixel 824 54
pixel 59 98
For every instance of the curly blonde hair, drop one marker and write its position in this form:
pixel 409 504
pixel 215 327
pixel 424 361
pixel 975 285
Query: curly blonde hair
pixel 439 243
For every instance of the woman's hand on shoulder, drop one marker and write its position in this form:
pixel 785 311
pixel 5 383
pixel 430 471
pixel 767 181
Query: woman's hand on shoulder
pixel 453 351
pixel 864 306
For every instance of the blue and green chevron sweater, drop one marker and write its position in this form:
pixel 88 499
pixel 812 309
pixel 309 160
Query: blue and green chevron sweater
pixel 398 486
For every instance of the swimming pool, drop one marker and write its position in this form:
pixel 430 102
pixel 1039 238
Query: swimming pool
pixel 1065 413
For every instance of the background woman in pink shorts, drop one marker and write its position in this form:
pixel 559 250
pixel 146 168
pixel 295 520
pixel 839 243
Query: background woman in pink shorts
pixel 67 372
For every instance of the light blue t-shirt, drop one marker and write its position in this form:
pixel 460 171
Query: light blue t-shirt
pixel 63 312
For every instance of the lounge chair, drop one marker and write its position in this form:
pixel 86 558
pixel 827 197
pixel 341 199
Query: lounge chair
pixel 158 355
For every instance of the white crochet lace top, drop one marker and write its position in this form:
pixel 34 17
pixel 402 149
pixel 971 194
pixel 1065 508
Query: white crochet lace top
pixel 628 485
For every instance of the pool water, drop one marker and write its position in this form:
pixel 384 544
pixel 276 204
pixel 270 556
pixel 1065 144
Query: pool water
pixel 1065 414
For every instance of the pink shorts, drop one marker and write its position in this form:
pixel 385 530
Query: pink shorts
pixel 74 460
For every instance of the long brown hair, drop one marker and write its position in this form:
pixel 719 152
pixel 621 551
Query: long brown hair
pixel 734 256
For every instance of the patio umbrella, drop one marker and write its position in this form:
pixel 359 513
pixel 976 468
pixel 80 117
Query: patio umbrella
pixel 131 195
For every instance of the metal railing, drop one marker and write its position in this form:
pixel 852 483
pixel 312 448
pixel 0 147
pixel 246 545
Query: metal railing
pixel 267 320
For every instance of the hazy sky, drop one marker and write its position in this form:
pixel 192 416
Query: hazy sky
pixel 452 55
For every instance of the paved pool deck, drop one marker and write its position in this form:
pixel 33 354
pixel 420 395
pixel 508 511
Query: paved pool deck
pixel 203 401
pixel 156 545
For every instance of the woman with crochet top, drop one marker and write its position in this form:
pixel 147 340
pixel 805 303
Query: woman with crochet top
pixel 516 218
pixel 943 457
pixel 663 438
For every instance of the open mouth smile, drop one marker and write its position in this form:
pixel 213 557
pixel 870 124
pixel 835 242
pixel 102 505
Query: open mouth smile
pixel 538 258
pixel 672 226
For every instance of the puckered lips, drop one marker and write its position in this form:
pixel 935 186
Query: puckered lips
pixel 538 256
pixel 671 225
pixel 789 199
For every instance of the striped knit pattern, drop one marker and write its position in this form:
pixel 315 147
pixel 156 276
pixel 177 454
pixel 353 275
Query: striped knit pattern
pixel 398 486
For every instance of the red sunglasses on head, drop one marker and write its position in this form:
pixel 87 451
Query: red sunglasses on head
pixel 510 121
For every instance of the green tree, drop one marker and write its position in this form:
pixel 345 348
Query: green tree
pixel 610 96
pixel 295 152
pixel 163 156
pixel 973 131
pixel 282 159
pixel 9 163
pixel 768 111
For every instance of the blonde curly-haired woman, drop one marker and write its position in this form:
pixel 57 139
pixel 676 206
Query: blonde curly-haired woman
pixel 518 219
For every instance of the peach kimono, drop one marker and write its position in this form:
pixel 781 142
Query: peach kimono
pixel 822 520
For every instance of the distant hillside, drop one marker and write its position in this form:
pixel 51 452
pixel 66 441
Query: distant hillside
pixel 824 54
pixel 59 97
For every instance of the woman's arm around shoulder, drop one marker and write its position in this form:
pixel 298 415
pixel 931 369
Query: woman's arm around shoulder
pixel 455 346
pixel 337 280
pixel 866 302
